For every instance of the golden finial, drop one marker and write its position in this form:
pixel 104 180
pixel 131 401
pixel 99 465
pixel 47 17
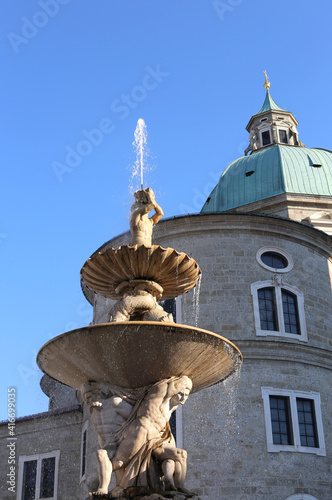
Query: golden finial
pixel 267 84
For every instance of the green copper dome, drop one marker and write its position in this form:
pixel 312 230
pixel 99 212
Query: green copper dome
pixel 271 171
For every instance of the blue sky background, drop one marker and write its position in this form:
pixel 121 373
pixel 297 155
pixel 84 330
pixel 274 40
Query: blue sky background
pixel 193 70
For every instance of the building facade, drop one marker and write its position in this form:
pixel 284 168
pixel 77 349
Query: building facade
pixel 263 243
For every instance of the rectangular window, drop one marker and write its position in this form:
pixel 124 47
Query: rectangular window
pixel 173 306
pixel 293 421
pixel 266 139
pixel 37 476
pixel 169 305
pixel 267 309
pixel 281 427
pixel 47 477
pixel 172 423
pixel 283 136
pixel 83 461
pixel 290 312
pixel 307 422
pixel 29 480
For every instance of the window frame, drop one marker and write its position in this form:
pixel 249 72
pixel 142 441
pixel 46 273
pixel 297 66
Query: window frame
pixel 269 130
pixel 271 249
pixel 278 286
pixel 178 308
pixel 85 428
pixel 39 457
pixel 287 135
pixel 293 395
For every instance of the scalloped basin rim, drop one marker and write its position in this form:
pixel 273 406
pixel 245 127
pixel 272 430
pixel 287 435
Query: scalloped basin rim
pixel 136 353
pixel 175 271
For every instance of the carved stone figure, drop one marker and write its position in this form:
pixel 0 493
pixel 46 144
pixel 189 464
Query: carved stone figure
pixel 253 141
pixel 139 298
pixel 109 408
pixel 140 224
pixel 134 435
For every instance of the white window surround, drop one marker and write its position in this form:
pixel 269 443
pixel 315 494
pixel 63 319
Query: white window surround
pixel 293 395
pixel 275 250
pixel 277 284
pixel 84 429
pixel 39 458
pixel 301 496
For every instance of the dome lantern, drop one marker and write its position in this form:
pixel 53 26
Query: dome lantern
pixel 271 125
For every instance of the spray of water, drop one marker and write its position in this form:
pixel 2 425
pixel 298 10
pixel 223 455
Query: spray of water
pixel 197 291
pixel 140 150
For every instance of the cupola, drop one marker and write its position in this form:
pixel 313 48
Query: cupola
pixel 271 125
pixel 280 176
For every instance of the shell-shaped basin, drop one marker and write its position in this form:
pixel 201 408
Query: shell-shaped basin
pixel 174 271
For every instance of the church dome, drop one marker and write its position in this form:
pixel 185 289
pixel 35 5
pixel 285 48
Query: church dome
pixel 271 171
pixel 278 164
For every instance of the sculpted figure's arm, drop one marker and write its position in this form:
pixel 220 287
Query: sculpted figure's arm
pixel 140 224
pixel 155 218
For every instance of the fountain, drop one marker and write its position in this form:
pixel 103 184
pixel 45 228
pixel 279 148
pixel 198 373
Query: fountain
pixel 135 370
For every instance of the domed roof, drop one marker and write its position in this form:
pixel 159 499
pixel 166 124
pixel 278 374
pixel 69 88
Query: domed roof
pixel 271 171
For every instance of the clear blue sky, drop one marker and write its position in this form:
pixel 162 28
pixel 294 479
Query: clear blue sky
pixel 193 70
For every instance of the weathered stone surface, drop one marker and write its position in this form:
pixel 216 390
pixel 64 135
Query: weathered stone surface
pixel 135 354
pixel 134 434
pixel 174 271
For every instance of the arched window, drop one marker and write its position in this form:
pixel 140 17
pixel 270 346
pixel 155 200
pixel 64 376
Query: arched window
pixel 301 496
pixel 278 309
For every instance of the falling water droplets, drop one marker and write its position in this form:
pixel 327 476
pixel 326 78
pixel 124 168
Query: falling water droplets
pixel 196 294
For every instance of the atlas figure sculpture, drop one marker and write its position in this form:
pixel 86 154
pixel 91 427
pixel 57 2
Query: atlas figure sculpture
pixel 135 437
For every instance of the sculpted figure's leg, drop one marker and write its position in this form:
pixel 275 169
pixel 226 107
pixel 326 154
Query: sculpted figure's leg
pixel 135 439
pixel 104 472
pixel 180 470
pixel 166 455
pixel 168 468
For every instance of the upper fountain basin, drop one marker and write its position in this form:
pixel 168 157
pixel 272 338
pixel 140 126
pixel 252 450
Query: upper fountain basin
pixel 174 271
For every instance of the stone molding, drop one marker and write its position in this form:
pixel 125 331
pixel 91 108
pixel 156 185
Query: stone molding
pixel 276 350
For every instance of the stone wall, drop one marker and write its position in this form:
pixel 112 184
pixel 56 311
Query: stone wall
pixel 43 433
pixel 224 426
pixel 224 434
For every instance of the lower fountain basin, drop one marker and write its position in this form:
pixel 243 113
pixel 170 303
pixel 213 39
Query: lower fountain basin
pixel 135 354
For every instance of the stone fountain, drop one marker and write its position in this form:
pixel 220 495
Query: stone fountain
pixel 134 371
